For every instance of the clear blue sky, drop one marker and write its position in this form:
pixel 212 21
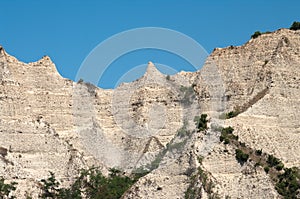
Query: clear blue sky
pixel 68 30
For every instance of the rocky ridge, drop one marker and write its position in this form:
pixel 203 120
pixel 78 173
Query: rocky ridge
pixel 49 123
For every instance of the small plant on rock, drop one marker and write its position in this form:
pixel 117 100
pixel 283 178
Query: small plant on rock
pixel 256 34
pixel 295 26
pixel 241 156
pixel 231 114
pixel 258 152
pixel 201 122
pixel 6 189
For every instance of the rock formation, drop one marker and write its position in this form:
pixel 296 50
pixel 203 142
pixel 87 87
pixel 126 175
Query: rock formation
pixel 49 123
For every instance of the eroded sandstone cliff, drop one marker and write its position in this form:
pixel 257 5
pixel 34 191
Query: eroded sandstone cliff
pixel 49 123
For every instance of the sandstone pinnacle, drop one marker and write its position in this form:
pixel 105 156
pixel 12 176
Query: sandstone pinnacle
pixel 152 70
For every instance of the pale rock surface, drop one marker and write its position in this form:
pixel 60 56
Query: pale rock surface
pixel 49 123
pixel 261 79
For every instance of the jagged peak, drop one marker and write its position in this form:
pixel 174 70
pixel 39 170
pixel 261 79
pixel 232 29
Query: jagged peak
pixel 152 71
pixel 44 59
pixel 151 68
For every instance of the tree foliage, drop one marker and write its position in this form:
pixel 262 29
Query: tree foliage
pixel 90 183
pixel 295 26
pixel 6 189
pixel 241 156
pixel 227 136
pixel 232 114
pixel 201 122
pixel 256 34
pixel 289 183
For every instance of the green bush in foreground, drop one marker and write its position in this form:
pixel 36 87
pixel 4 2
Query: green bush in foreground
pixel 90 183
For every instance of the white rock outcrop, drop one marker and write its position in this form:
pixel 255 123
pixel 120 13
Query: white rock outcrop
pixel 49 123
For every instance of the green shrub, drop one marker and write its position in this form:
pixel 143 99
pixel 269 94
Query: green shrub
pixel 267 169
pixel 242 144
pixel 226 141
pixel 168 77
pixel 50 187
pixel 273 161
pixel 257 164
pixel 200 159
pixel 227 130
pixel 80 81
pixel 231 114
pixel 226 135
pixel 258 152
pixel 222 138
pixel 256 34
pixel 90 183
pixel 288 184
pixel 241 156
pixel 201 122
pixel 280 166
pixel 6 189
pixel 295 26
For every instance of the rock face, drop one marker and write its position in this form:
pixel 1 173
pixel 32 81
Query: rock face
pixel 49 123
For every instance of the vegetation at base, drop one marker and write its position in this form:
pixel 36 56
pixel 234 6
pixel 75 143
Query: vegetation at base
pixel 50 187
pixel 201 122
pixel 295 25
pixel 6 189
pixel 90 183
